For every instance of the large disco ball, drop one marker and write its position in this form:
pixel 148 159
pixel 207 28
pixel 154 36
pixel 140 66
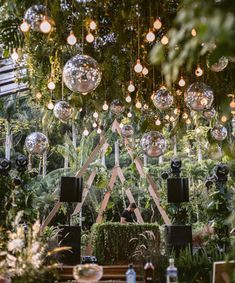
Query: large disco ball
pixel 219 132
pixel 153 144
pixel 36 143
pixel 219 66
pixel 163 99
pixel 199 96
pixel 82 74
pixel 117 107
pixel 209 114
pixel 63 110
pixel 34 16
pixel 127 131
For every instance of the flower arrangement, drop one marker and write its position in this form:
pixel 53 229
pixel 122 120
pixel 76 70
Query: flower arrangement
pixel 24 256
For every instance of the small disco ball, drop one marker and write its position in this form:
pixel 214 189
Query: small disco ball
pixel 199 96
pixel 219 132
pixel 117 107
pixel 5 165
pixel 209 114
pixel 36 143
pixel 81 74
pixel 163 99
pixel 127 131
pixel 219 66
pixel 34 16
pixel 153 144
pixel 63 111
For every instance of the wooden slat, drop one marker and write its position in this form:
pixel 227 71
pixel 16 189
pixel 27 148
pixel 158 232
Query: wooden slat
pixel 51 215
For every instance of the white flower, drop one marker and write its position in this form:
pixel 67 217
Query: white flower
pixel 36 260
pixel 36 229
pixel 11 261
pixel 15 245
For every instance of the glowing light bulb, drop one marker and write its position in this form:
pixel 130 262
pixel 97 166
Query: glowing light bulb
pixel 193 32
pixel 199 71
pixel 14 55
pixel 185 116
pixel 129 114
pixel 188 121
pixel 167 117
pixel 182 82
pixel 121 125
pixel 128 98
pixel 38 95
pixel 93 25
pixel 138 67
pixel 51 85
pixel 131 87
pixel 99 131
pixel 187 150
pixel 80 110
pixel 232 104
pixel 172 118
pixel 94 125
pixel 176 111
pixel 223 119
pixel 164 40
pixel 45 26
pixel 145 71
pixel 84 93
pixel 24 27
pixel 50 105
pixel 178 92
pixel 138 104
pixel 95 115
pixel 158 122
pixel 90 37
pixel 157 24
pixel 150 36
pixel 146 106
pixel 105 106
pixel 198 131
pixel 85 132
pixel 71 39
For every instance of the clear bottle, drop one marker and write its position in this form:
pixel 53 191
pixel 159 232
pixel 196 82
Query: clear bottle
pixel 171 272
pixel 149 276
pixel 130 274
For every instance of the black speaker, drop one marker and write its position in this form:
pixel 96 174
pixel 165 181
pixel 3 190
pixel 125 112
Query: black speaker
pixel 71 189
pixel 70 236
pixel 177 190
pixel 178 237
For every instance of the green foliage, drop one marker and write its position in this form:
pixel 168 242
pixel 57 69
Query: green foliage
pixel 115 243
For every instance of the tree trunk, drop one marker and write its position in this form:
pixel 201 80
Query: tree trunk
pixel 8 140
pixel 44 164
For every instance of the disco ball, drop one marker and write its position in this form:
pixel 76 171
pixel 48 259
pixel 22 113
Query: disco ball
pixel 36 143
pixel 82 74
pixel 127 131
pixel 209 114
pixel 63 110
pixel 199 96
pixel 153 144
pixel 162 99
pixel 117 107
pixel 219 132
pixel 219 66
pixel 34 16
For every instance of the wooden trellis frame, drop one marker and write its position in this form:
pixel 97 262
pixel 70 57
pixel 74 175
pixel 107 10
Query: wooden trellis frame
pixel 116 172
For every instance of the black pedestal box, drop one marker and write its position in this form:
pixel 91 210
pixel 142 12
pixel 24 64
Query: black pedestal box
pixel 70 236
pixel 177 190
pixel 178 237
pixel 71 189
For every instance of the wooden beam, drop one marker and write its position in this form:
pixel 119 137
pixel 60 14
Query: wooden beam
pixel 51 215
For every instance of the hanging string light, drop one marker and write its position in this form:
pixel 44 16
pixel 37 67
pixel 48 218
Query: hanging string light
pixel 157 24
pixel 50 105
pixel 51 85
pixel 145 71
pixel 182 82
pixel 223 119
pixel 185 116
pixel 38 95
pixel 138 67
pixel 94 125
pixel 193 32
pixel 129 114
pixel 198 71
pixel 128 98
pixel 24 27
pixel 158 122
pixel 71 39
pixel 150 36
pixel 188 121
pixel 105 106
pixel 164 40
pixel 85 132
pixel 99 131
pixel 90 37
pixel 45 26
pixel 138 104
pixel 178 92
pixel 131 87
pixel 146 107
pixel 93 25
pixel 95 115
